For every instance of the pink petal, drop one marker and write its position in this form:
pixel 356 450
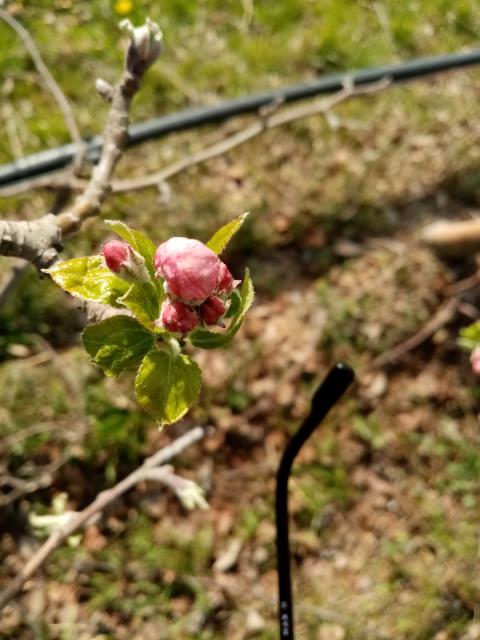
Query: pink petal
pixel 225 283
pixel 212 310
pixel 189 268
pixel 177 317
pixel 115 253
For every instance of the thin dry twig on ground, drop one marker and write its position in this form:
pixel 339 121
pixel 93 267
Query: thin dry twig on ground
pixel 43 477
pixel 9 441
pixel 50 83
pixel 443 316
pixel 471 282
pixel 151 469
pixel 30 477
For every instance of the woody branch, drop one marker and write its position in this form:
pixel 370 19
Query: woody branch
pixel 40 240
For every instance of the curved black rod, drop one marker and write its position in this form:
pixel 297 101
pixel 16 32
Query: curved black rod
pixel 328 393
pixel 53 159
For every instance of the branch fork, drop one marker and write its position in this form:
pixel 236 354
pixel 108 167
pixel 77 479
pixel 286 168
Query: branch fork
pixel 40 240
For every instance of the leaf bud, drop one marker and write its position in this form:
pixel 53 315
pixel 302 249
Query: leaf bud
pixel 145 45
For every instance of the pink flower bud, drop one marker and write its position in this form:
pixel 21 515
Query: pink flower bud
pixel 225 282
pixel 212 310
pixel 123 260
pixel 115 253
pixel 177 317
pixel 189 268
pixel 475 360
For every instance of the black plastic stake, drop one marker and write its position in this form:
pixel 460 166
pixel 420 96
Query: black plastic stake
pixel 328 393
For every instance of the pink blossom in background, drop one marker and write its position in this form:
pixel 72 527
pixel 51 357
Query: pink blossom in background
pixel 177 317
pixel 475 360
pixel 190 269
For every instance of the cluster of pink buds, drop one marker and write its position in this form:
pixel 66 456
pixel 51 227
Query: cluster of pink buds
pixel 196 284
pixel 123 260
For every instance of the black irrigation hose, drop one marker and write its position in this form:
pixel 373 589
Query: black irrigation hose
pixel 329 392
pixel 59 157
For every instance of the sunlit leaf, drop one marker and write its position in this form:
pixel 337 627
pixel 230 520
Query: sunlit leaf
pixel 470 336
pixel 117 343
pixel 167 385
pixel 143 301
pixel 89 278
pixel 235 304
pixel 222 237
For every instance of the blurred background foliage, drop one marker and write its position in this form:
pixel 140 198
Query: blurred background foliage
pixel 385 500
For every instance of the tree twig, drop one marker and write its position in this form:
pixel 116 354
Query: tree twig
pixel 265 122
pixel 37 241
pixel 56 180
pixel 40 240
pixel 78 520
pixel 115 137
pixel 20 486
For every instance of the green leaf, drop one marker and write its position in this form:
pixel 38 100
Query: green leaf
pixel 89 278
pixel 470 336
pixel 211 340
pixel 117 343
pixel 167 385
pixel 137 240
pixel 222 237
pixel 143 301
pixel 235 304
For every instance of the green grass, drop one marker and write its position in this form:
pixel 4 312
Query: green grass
pixel 214 49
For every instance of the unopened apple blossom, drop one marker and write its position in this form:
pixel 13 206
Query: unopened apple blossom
pixel 177 317
pixel 195 279
pixel 212 310
pixel 124 261
pixel 190 269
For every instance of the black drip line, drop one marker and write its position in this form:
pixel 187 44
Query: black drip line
pixel 54 159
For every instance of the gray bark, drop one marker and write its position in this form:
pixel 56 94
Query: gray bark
pixel 37 241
